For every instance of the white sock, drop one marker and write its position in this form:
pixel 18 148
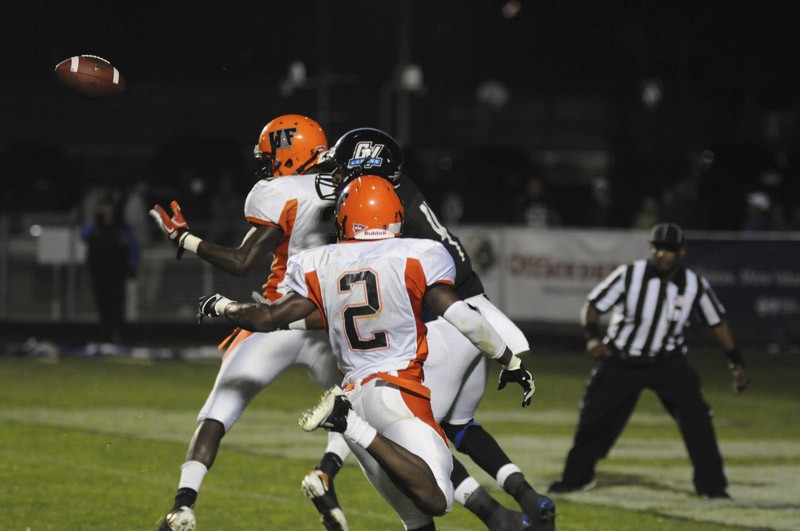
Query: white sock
pixel 337 445
pixel 359 431
pixel 504 472
pixel 465 490
pixel 192 474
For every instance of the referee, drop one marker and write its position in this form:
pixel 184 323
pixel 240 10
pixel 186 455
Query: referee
pixel 644 347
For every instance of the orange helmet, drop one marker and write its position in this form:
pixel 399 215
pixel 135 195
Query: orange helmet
pixel 289 144
pixel 369 209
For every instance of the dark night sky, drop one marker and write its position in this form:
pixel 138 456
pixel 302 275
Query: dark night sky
pixel 214 68
pixel 748 46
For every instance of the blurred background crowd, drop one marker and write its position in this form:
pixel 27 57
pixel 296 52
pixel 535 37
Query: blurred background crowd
pixel 537 113
pixel 514 112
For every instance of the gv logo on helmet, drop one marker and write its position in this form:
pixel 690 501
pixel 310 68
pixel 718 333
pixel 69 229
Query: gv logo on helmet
pixel 282 138
pixel 366 155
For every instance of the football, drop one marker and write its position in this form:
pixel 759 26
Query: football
pixel 90 75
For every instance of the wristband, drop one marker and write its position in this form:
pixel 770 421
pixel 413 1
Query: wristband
pixel 734 357
pixel 221 304
pixel 300 324
pixel 591 330
pixel 190 242
pixel 514 364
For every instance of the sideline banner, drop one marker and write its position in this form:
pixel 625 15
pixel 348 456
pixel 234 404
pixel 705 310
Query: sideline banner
pixel 544 275
pixel 758 282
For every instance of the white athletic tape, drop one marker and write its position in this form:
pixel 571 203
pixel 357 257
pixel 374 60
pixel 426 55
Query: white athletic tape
pixel 190 242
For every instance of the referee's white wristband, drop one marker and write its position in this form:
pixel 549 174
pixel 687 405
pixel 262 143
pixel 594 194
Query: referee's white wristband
pixel 190 242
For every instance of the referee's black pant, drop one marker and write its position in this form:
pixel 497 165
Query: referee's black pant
pixel 610 398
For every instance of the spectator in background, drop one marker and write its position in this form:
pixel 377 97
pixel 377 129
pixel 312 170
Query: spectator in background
pixel 452 207
pixel 135 212
pixel 534 207
pixel 648 213
pixel 676 204
pixel 601 209
pixel 779 217
pixel 98 191
pixel 759 213
pixel 226 206
pixel 112 257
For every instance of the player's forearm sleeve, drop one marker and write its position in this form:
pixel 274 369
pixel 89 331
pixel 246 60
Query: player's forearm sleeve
pixel 476 328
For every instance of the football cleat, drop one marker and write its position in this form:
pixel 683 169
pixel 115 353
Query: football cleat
pixel 181 519
pixel 330 413
pixel 545 518
pixel 507 520
pixel 316 487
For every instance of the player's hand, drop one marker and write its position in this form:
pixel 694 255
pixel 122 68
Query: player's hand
pixel 597 349
pixel 174 227
pixel 740 379
pixel 515 372
pixel 211 306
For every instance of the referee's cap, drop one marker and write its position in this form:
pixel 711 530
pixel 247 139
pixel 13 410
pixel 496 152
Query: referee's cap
pixel 667 235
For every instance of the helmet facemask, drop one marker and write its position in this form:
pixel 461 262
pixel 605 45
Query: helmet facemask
pixel 266 164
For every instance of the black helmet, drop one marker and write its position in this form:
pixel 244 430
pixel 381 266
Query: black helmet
pixel 363 151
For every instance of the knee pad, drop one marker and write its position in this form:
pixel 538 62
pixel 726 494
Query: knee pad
pixel 456 433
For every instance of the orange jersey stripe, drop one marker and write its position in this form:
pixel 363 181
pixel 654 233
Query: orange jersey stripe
pixel 234 339
pixel 278 268
pixel 315 295
pixel 259 221
pixel 415 287
pixel 421 407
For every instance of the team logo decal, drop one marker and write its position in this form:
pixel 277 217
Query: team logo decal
pixel 282 138
pixel 366 155
pixel 358 227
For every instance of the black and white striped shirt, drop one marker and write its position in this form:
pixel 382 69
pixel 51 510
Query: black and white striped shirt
pixel 649 314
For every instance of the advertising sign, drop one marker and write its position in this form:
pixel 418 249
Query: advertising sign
pixel 544 275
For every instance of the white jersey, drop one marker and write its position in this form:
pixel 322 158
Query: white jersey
pixel 370 295
pixel 253 360
pixel 291 204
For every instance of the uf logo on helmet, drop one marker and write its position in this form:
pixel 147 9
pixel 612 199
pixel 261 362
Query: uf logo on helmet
pixel 366 155
pixel 282 138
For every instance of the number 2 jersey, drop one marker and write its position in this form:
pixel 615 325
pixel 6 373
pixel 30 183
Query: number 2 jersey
pixel 370 296
pixel 291 204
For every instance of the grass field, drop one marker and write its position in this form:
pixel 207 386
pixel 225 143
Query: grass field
pixel 98 443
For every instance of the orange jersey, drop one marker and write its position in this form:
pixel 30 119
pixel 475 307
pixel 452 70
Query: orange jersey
pixel 291 204
pixel 370 295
